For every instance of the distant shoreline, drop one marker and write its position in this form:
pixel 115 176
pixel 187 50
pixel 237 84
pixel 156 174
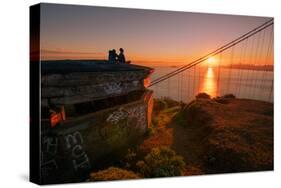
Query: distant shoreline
pixel 234 66
pixel 269 68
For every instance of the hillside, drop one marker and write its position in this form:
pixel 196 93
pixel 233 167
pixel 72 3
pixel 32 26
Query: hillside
pixel 215 135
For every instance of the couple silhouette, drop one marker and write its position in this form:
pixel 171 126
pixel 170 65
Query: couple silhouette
pixel 113 57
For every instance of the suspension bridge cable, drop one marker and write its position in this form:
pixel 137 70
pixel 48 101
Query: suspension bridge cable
pixel 269 47
pixel 193 90
pixel 250 60
pixel 254 90
pixel 230 69
pixel 168 87
pixel 198 85
pixel 271 91
pixel 240 65
pixel 178 87
pixel 269 22
pixel 253 69
pixel 181 85
pixel 218 77
pixel 188 74
pixel 173 73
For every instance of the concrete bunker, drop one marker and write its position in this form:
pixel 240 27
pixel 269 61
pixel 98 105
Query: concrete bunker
pixel 90 110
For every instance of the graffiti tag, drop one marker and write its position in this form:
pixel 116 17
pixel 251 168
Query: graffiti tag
pixel 74 143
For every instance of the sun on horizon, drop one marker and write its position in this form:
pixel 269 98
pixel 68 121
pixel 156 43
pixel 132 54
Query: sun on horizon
pixel 211 61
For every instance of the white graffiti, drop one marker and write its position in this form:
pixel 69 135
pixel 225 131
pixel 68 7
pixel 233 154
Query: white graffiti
pixel 74 142
pixel 139 114
pixel 73 139
pixel 116 116
pixel 49 150
pixel 112 88
pixel 119 87
pixel 51 145
pixel 136 113
pixel 49 165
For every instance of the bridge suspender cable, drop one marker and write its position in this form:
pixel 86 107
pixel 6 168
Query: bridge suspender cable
pixel 215 52
pixel 247 35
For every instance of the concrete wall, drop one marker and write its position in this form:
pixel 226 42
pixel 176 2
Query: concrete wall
pixel 71 88
pixel 71 150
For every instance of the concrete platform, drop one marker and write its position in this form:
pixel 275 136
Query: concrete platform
pixel 71 82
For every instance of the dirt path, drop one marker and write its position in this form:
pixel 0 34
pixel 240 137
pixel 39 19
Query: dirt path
pixel 185 141
pixel 162 134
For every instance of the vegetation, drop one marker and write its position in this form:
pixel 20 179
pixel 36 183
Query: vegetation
pixel 163 109
pixel 158 105
pixel 218 135
pixel 225 99
pixel 130 159
pixel 229 96
pixel 203 96
pixel 170 102
pixel 180 119
pixel 164 104
pixel 195 115
pixel 113 173
pixel 161 162
pixel 150 130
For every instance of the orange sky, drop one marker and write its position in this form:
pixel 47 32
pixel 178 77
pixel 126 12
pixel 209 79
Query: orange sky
pixel 148 37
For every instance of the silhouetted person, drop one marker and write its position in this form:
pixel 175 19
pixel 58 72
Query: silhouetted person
pixel 112 56
pixel 121 56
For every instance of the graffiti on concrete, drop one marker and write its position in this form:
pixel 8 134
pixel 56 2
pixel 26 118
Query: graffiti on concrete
pixel 49 150
pixel 84 93
pixel 119 87
pixel 112 88
pixel 135 113
pixel 89 78
pixel 74 143
pixel 51 144
pixel 138 113
pixel 116 116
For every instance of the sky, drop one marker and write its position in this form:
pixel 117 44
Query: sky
pixel 160 37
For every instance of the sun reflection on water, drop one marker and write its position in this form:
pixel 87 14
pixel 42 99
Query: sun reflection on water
pixel 208 84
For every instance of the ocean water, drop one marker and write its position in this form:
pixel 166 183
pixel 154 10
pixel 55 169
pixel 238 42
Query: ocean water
pixel 249 84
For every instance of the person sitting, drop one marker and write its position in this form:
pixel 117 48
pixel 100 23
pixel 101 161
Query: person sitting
pixel 112 56
pixel 121 56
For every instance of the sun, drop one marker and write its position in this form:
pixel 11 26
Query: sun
pixel 211 61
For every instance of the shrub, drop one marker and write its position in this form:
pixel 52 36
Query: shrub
pixel 224 99
pixel 161 162
pixel 194 108
pixel 154 122
pixel 229 96
pixel 170 102
pixel 158 105
pixel 203 96
pixel 221 100
pixel 130 159
pixel 149 132
pixel 180 118
pixel 195 115
pixel 112 173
